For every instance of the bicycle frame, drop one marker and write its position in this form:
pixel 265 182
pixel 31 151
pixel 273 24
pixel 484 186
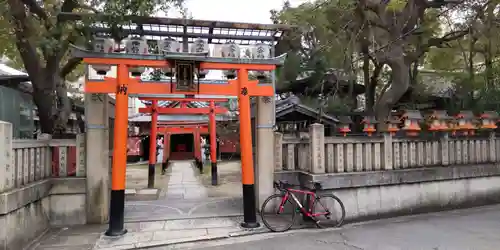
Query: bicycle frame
pixel 311 196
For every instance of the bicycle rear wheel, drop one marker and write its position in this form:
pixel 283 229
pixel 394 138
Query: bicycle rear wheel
pixel 330 211
pixel 276 216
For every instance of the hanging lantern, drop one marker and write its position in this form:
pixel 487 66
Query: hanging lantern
pixel 488 120
pixel 169 45
pixel 344 124
pixel 103 45
pixel 200 46
pixel 393 125
pixel 230 50
pixel 369 123
pixel 136 45
pixel 261 51
pixel 438 120
pixel 465 119
pixel 411 119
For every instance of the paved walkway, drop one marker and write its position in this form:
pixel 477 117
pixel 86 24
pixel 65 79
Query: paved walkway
pixel 186 209
pixel 185 193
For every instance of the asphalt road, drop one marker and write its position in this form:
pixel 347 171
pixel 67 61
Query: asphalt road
pixel 472 229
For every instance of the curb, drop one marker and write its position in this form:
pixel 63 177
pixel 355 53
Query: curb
pixel 152 244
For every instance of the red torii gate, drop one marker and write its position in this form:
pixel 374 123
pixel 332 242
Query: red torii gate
pixel 154 110
pixel 197 129
pixel 123 86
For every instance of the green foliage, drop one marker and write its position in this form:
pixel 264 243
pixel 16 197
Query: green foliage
pixel 50 36
pixel 396 5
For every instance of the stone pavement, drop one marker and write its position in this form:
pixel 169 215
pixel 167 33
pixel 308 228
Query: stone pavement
pixel 467 229
pixel 185 193
pixel 186 209
pixel 144 234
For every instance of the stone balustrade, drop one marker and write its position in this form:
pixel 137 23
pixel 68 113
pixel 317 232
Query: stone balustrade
pixel 317 154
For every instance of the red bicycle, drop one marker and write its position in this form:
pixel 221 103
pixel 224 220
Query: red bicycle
pixel 325 210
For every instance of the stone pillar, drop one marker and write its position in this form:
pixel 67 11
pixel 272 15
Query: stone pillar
pixel 388 154
pixel 97 157
pixel 492 147
pixel 278 151
pixel 7 171
pixel 317 148
pixel 445 159
pixel 264 169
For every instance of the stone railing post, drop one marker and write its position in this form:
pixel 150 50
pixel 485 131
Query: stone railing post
pixel 388 154
pixel 445 158
pixel 317 147
pixel 7 171
pixel 278 151
pixel 492 147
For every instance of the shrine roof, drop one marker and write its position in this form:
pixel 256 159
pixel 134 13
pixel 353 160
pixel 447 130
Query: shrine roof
pixel 293 104
pixel 157 28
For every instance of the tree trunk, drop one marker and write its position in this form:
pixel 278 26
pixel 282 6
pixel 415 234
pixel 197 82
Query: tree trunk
pixel 43 99
pixel 63 110
pixel 371 87
pixel 400 83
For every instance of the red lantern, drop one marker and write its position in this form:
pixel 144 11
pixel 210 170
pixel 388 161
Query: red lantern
pixel 438 120
pixel 344 126
pixel 411 120
pixel 464 122
pixel 393 125
pixel 488 120
pixel 369 125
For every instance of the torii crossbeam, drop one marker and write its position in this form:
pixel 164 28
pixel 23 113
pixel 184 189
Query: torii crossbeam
pixel 125 86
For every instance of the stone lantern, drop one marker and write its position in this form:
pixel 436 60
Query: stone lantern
pixel 169 45
pixel 369 123
pixel 464 122
pixel 103 45
pixel 488 120
pixel 136 45
pixel 230 50
pixel 344 124
pixel 393 125
pixel 411 119
pixel 438 120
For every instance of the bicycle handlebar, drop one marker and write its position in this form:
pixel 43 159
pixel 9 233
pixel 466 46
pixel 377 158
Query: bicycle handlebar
pixel 284 185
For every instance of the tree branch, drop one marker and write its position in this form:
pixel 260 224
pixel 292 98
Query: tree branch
pixel 70 65
pixel 435 42
pixel 24 45
pixel 35 9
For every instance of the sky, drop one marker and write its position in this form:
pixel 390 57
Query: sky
pixel 251 11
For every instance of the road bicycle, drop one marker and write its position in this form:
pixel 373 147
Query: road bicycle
pixel 326 210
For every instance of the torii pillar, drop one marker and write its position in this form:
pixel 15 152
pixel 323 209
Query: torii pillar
pixel 213 144
pixel 152 144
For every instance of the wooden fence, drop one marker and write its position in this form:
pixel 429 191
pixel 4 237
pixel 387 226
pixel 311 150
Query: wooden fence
pixel 361 153
pixel 28 161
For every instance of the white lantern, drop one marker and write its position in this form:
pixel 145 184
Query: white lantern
pixel 200 46
pixel 230 50
pixel 136 45
pixel 261 51
pixel 103 45
pixel 169 45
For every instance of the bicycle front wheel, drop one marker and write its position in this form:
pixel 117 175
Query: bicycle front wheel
pixel 329 211
pixel 277 215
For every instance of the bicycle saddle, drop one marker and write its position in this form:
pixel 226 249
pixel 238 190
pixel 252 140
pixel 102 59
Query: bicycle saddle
pixel 317 185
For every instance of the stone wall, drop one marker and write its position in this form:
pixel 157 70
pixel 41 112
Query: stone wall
pixel 385 176
pixel 42 184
